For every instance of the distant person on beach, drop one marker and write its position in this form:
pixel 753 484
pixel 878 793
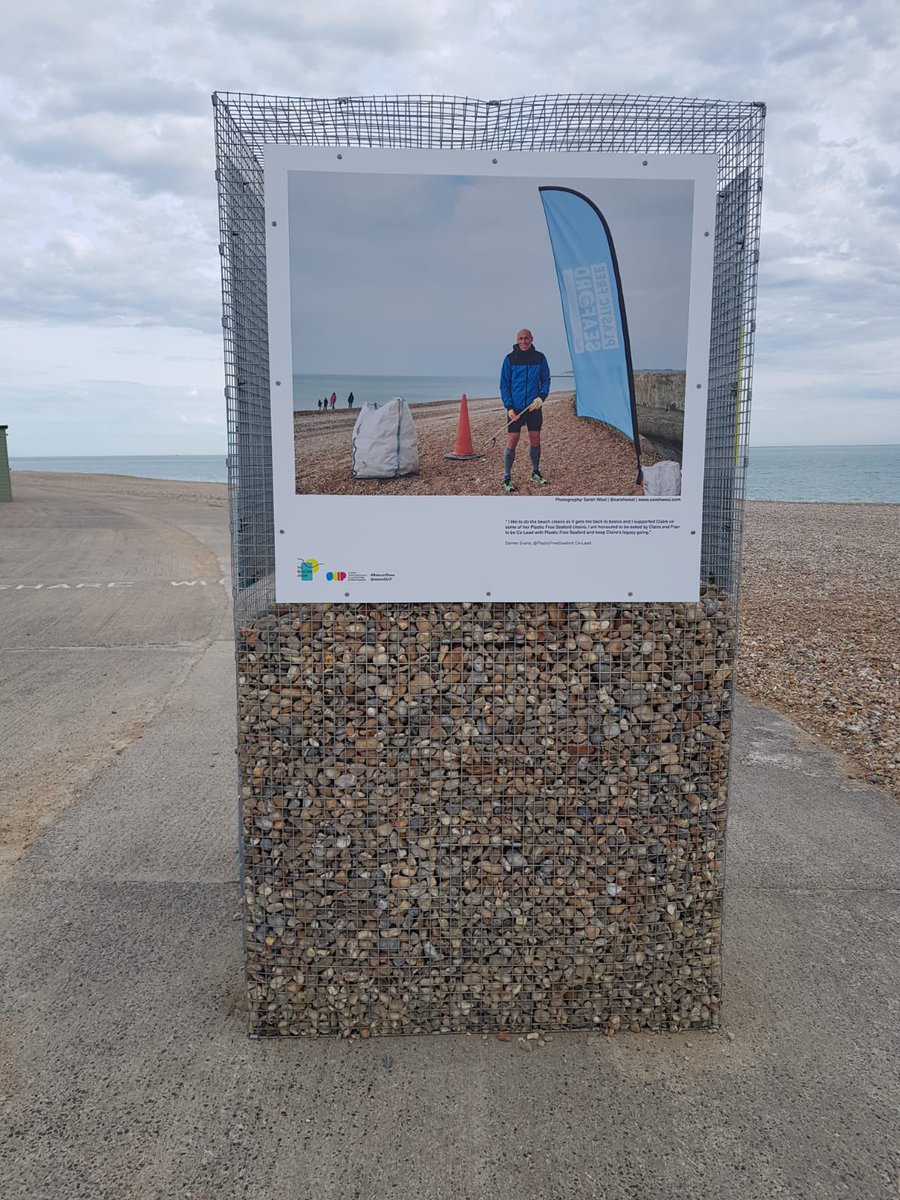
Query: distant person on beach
pixel 350 400
pixel 319 405
pixel 524 386
pixel 333 400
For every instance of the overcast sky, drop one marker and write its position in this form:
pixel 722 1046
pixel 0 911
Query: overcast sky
pixel 109 284
pixel 434 274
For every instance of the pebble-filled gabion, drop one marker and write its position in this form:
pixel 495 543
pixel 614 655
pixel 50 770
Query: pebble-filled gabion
pixel 484 817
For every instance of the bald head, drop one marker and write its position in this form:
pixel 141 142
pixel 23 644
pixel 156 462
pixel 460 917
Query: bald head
pixel 524 339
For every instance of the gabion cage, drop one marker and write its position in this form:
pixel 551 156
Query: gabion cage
pixel 475 817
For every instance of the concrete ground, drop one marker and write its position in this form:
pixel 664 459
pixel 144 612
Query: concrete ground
pixel 125 1071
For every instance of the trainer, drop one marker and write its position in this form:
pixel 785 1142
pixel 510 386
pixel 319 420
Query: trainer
pixel 524 385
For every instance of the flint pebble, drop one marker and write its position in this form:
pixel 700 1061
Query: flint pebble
pixel 455 821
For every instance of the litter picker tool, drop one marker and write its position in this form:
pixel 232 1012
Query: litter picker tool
pixel 511 420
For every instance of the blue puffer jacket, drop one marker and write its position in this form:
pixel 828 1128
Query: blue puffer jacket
pixel 523 377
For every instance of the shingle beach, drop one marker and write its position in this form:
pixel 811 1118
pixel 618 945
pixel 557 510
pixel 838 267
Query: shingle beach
pixel 820 626
pixel 580 457
pixel 125 1050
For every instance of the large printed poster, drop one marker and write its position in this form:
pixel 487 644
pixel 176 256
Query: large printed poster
pixel 488 373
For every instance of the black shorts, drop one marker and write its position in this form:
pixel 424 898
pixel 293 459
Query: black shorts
pixel 532 421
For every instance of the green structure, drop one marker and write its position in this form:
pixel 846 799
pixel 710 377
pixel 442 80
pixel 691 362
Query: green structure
pixel 5 483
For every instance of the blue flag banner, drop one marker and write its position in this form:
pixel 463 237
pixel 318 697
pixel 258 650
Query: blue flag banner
pixel 593 310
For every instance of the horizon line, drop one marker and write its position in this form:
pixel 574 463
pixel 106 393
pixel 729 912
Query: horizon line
pixel 224 454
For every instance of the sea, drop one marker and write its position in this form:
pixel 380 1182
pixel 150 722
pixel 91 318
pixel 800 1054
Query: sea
pixel 415 389
pixel 845 474
pixel 203 468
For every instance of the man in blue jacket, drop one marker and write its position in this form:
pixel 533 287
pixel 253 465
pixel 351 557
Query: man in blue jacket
pixel 524 385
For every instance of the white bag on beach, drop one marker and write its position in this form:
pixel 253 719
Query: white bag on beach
pixel 662 479
pixel 384 441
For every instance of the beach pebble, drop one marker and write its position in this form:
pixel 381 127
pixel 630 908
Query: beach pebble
pixel 453 823
pixel 819 633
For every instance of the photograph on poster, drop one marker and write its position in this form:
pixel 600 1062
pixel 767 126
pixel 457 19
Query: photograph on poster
pixel 558 308
pixel 508 353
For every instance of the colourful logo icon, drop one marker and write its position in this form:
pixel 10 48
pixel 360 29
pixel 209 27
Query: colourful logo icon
pixel 306 568
pixel 336 576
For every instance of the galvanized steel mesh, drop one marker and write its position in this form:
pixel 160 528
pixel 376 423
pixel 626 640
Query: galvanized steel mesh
pixel 484 817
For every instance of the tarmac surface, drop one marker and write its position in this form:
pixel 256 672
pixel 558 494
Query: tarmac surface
pixel 125 1069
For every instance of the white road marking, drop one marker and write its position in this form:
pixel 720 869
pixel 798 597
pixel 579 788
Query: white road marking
pixel 114 583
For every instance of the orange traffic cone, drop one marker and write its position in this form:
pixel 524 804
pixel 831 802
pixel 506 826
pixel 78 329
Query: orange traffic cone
pixel 464 448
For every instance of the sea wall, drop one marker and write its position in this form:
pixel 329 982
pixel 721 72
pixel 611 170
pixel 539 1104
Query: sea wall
pixel 660 403
pixel 464 817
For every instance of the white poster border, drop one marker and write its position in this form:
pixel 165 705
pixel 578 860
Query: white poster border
pixel 413 549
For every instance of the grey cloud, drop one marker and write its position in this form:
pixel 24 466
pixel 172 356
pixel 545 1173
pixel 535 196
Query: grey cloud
pixel 884 114
pixel 147 174
pixel 108 208
pixel 391 28
pixel 93 252
pixel 884 185
pixel 171 154
pixel 114 417
pixel 77 297
pixel 800 47
pixel 135 98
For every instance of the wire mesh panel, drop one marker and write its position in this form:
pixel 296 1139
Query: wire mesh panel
pixel 474 816
pixel 242 249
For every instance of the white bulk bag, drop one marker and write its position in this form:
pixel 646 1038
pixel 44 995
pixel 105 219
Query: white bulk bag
pixel 662 479
pixel 384 441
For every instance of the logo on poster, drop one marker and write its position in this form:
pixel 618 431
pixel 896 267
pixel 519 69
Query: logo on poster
pixel 306 569
pixel 336 576
pixel 589 297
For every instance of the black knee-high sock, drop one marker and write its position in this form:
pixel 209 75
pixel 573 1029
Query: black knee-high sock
pixel 535 452
pixel 508 458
